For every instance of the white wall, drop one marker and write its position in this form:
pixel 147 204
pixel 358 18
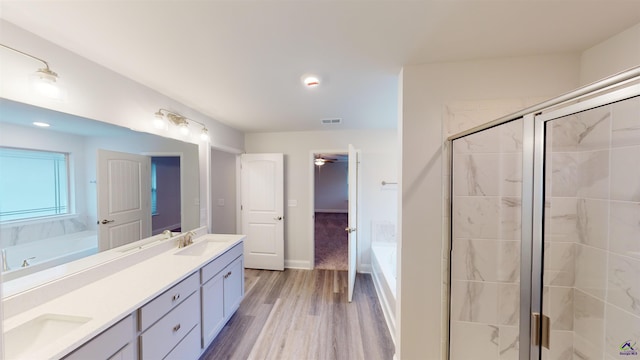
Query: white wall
pixel 378 162
pixel 331 192
pixel 611 56
pixel 426 91
pixel 223 192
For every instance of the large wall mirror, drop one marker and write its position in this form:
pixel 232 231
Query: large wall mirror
pixel 67 190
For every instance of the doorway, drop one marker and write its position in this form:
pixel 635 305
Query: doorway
pixel 331 211
pixel 165 194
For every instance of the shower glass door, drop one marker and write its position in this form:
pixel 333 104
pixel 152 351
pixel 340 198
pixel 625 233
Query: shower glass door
pixel 591 231
pixel 485 248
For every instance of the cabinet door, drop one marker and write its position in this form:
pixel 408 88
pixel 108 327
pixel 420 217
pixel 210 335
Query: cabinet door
pixel 212 308
pixel 233 286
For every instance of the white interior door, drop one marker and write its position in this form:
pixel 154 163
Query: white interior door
pixel 124 198
pixel 262 206
pixel 352 180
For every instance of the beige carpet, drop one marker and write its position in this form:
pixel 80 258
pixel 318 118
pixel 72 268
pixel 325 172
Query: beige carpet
pixel 331 242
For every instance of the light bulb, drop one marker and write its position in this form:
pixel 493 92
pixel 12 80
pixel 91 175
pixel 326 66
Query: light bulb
pixel 158 121
pixel 204 135
pixel 45 82
pixel 319 162
pixel 184 128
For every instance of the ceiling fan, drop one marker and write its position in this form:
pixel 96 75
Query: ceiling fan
pixel 321 159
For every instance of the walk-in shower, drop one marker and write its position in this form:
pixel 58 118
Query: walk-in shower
pixel 545 230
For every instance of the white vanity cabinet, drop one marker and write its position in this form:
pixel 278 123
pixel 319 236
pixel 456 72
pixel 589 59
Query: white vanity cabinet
pixel 113 344
pixel 222 291
pixel 167 320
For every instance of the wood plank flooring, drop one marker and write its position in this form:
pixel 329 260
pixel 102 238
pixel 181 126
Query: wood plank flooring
pixel 304 315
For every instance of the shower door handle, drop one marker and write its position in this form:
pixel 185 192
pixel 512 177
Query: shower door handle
pixel 541 329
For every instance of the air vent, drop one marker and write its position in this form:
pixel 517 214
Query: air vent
pixel 331 121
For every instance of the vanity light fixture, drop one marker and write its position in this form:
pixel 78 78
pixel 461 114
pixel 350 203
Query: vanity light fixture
pixel 44 80
pixel 163 117
pixel 41 124
pixel 319 161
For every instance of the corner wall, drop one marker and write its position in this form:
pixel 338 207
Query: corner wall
pixel 427 91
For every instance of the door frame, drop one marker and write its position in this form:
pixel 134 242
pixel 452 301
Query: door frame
pixel 312 200
pixel 152 154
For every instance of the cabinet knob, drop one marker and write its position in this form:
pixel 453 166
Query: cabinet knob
pixel 176 297
pixel 176 328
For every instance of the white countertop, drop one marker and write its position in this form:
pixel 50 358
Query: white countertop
pixel 113 297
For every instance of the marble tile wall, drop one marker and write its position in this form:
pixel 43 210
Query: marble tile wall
pixel 485 265
pixel 592 227
pixel 37 230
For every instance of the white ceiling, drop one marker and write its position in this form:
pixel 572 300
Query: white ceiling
pixel 241 62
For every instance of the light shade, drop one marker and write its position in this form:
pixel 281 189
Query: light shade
pixel 204 134
pixel 45 82
pixel 159 121
pixel 184 128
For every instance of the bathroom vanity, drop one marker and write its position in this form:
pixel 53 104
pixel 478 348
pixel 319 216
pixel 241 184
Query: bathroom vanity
pixel 168 304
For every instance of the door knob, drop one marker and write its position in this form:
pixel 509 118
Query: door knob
pixel 105 221
pixel 350 230
pixel 278 218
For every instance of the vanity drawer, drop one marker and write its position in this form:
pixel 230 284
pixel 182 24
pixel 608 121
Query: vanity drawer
pixel 159 339
pixel 158 307
pixel 109 343
pixel 211 269
pixel 189 347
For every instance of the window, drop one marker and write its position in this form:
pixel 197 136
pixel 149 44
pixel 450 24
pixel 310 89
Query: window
pixel 33 184
pixel 154 189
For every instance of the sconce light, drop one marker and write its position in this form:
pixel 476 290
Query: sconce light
pixel 319 161
pixel 163 117
pixel 44 80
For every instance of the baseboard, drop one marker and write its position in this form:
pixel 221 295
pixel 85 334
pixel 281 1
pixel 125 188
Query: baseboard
pixel 337 211
pixel 365 268
pixel 298 264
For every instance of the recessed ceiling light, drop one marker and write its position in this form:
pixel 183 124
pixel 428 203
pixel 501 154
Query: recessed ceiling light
pixel 41 124
pixel 311 81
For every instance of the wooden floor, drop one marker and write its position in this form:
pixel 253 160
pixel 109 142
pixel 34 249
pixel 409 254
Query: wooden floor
pixel 304 315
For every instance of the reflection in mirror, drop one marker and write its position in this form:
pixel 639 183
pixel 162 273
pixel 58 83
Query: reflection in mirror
pixel 81 186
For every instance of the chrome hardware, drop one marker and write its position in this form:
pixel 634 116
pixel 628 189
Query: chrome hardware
pixel 350 230
pixel 105 221
pixel 175 297
pixel 186 240
pixel 5 265
pixel 278 218
pixel 167 233
pixel 227 275
pixel 25 262
pixel 176 328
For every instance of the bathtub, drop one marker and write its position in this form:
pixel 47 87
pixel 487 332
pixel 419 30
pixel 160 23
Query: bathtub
pixel 384 258
pixel 48 253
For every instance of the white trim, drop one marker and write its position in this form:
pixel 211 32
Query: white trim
pixel 298 264
pixel 335 211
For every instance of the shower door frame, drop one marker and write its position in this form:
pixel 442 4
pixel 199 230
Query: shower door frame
pixel 609 90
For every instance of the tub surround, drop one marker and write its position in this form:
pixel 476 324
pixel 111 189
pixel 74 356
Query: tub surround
pixel 113 295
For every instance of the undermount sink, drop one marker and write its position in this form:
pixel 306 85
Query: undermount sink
pixel 39 332
pixel 201 247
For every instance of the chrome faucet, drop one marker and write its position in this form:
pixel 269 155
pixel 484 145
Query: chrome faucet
pixel 168 233
pixel 186 240
pixel 25 262
pixel 5 265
